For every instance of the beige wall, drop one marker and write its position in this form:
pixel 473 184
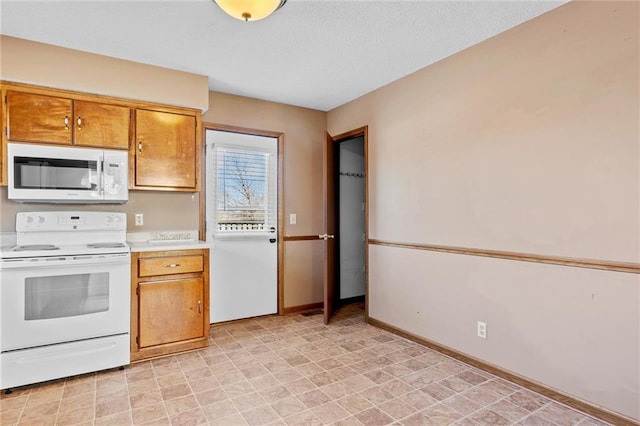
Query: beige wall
pixel 162 210
pixel 528 142
pixel 25 61
pixel 304 133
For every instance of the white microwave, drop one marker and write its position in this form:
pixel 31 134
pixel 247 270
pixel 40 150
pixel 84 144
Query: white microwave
pixel 56 174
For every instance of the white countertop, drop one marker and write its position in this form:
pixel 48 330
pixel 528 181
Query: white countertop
pixel 139 246
pixel 166 240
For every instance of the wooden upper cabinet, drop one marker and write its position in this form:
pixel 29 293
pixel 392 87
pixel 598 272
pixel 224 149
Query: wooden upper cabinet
pixel 38 118
pixel 48 119
pixel 165 150
pixel 101 125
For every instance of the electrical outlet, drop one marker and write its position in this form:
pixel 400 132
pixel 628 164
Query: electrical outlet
pixel 482 329
pixel 292 219
pixel 139 219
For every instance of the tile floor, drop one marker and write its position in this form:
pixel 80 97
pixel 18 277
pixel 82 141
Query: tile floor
pixel 290 370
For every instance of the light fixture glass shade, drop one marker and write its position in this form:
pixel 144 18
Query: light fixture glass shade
pixel 249 10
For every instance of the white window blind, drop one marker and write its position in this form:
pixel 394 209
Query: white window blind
pixel 245 185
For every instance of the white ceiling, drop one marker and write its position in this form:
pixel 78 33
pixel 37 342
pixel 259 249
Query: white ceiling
pixel 314 53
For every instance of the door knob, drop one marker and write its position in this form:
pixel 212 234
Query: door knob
pixel 325 236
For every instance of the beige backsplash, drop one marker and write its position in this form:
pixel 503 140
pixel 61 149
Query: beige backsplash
pixel 162 210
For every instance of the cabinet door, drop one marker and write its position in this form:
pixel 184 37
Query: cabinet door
pixel 165 149
pixel 101 125
pixel 170 311
pixel 38 118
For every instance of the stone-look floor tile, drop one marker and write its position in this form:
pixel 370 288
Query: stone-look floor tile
pixel 176 391
pixel 173 379
pixel 355 403
pixel 489 418
pixel 234 390
pixel 248 401
pixel 202 385
pixel 112 406
pixel 535 420
pixel 234 420
pixel 10 404
pixel 10 417
pixel 143 386
pixel 288 407
pixel 140 399
pixel 81 388
pixel 508 410
pixel 376 394
pixel 560 415
pixel 418 419
pixel 499 387
pixel 418 399
pixel 180 405
pixel 139 375
pixel 148 413
pixel 396 387
pixel 211 396
pixel 187 418
pixel 290 370
pixel 442 414
pixel 260 415
pixel 527 400
pixel 40 397
pixel 306 418
pixel 480 396
pixel 373 416
pixel 48 409
pixel 336 390
pixel 219 410
pixel 329 413
pixel 80 401
pixel 313 398
pixel 74 417
pixel 112 392
pixel 275 393
pixel 462 404
pixel 397 408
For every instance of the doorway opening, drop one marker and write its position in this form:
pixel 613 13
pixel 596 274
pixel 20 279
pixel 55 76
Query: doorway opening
pixel 350 223
pixel 346 220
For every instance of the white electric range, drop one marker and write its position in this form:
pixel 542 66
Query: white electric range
pixel 64 296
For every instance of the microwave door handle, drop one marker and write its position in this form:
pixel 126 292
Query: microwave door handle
pixel 101 175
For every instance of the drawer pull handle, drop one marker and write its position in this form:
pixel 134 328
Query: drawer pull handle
pixel 79 123
pixel 139 147
pixel 172 265
pixel 199 307
pixel 66 122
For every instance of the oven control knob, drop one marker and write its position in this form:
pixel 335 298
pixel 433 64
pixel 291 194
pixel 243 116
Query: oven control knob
pixel 29 219
pixel 40 219
pixel 109 219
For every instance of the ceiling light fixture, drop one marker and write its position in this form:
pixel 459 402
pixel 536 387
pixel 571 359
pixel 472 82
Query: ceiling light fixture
pixel 249 10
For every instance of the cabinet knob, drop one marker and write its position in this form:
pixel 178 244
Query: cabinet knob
pixel 66 122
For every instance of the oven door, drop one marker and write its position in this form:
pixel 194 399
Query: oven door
pixel 49 300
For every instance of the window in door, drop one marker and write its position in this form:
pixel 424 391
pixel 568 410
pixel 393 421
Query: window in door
pixel 244 202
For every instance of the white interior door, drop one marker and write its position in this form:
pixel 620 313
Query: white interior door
pixel 241 215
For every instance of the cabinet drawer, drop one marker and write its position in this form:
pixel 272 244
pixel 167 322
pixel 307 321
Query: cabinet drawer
pixel 148 267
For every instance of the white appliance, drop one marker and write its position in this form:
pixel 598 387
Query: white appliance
pixel 64 296
pixel 57 174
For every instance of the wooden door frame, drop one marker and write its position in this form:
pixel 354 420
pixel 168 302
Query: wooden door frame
pixel 342 137
pixel 280 184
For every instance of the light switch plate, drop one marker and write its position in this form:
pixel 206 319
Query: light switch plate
pixel 292 219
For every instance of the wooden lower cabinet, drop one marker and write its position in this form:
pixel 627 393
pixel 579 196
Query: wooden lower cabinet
pixel 169 302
